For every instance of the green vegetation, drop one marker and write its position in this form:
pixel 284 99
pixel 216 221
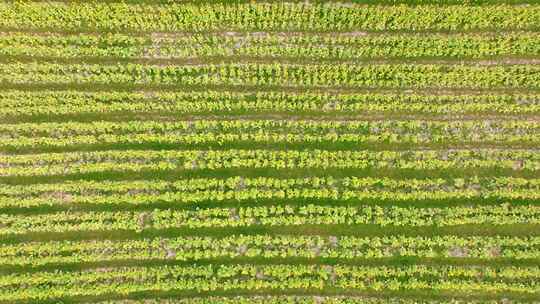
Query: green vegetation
pixel 306 152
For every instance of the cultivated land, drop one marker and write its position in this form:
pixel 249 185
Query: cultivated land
pixel 371 152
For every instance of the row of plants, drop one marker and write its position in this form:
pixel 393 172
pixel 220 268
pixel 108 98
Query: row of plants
pixel 143 160
pixel 298 299
pixel 226 132
pixel 297 16
pixel 149 186
pixel 269 215
pixel 279 277
pixel 271 45
pixel 267 246
pixel 247 190
pixel 397 75
pixel 285 126
pixel 31 103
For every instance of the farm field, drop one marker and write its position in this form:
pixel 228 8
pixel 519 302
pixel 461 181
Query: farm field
pixel 308 152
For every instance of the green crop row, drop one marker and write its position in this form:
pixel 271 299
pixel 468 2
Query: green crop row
pixel 240 189
pixel 280 277
pixel 274 215
pixel 268 246
pixel 251 16
pixel 143 160
pixel 275 74
pixel 298 300
pixel 270 45
pixel 226 132
pixel 462 128
pixel 29 103
pixel 82 187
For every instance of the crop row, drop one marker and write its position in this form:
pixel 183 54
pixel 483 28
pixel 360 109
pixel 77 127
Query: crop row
pixel 244 189
pixel 268 246
pixel 263 17
pixel 126 280
pixel 274 215
pixel 276 74
pixel 82 187
pixel 321 127
pixel 270 45
pixel 18 103
pixel 143 160
pixel 226 132
pixel 298 299
pixel 260 139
